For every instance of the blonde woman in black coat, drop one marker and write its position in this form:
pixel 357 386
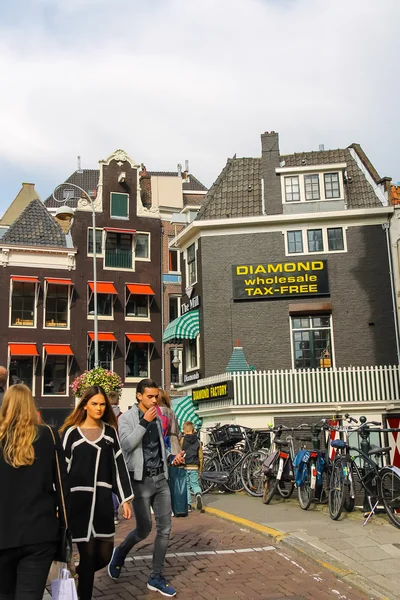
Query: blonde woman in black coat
pixel 29 525
pixel 96 470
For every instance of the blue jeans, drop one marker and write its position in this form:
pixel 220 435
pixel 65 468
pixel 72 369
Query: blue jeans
pixel 150 492
pixel 192 478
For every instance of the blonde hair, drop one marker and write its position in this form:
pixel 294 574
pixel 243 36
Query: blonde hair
pixel 19 422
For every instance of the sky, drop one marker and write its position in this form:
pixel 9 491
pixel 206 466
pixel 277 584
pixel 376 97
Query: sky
pixel 176 80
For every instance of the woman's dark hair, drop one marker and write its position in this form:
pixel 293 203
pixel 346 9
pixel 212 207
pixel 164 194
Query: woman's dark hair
pixel 79 414
pixel 145 383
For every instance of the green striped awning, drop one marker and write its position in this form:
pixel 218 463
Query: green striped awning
pixel 186 327
pixel 184 411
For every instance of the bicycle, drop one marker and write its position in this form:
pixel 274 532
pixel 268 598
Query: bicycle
pixel 312 470
pixel 380 484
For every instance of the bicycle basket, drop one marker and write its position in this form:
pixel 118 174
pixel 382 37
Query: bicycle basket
pixel 227 434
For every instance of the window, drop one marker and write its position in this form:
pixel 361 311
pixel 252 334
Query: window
pixel 295 241
pixel 173 261
pixel 105 355
pixel 335 239
pixel 104 305
pixel 23 304
pixel 57 306
pixel 142 246
pixel 21 371
pixel 311 185
pixel 137 360
pixel 332 189
pixel 191 262
pixel 99 241
pixel 312 342
pixel 118 250
pixel 56 376
pixel 174 307
pixel 292 189
pixel 119 205
pixel 192 354
pixel 138 306
pixel 315 241
pixel 176 370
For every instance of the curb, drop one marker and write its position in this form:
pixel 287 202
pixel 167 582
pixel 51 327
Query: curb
pixel 303 548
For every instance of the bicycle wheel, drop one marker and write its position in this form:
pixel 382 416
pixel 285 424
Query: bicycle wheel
pixel 304 491
pixel 270 487
pixel 390 493
pixel 252 473
pixel 230 462
pixel 337 489
pixel 209 464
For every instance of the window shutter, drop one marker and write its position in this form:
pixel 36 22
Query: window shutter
pixel 119 205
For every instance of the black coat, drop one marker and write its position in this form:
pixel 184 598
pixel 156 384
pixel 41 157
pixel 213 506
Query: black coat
pixel 28 496
pixel 96 469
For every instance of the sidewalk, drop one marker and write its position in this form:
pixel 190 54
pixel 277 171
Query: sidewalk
pixel 368 557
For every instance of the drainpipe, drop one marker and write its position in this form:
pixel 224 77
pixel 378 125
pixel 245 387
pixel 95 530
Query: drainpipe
pixel 385 226
pixel 162 307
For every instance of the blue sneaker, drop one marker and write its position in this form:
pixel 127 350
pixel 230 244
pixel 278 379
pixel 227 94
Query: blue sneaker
pixel 160 584
pixel 115 565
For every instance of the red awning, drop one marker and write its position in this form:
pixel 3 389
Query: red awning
pixel 144 338
pixel 23 350
pixel 58 350
pixel 103 287
pixel 119 230
pixel 103 336
pixel 26 279
pixel 58 281
pixel 140 288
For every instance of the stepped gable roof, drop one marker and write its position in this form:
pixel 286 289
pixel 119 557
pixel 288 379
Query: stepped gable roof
pixel 236 192
pixel 238 361
pixel 35 227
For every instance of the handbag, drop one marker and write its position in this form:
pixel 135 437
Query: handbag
pixel 64 549
pixel 63 588
pixel 178 487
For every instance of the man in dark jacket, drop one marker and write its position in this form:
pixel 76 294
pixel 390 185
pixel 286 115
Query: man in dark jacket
pixel 3 382
pixel 147 459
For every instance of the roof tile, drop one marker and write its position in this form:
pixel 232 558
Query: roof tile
pixel 35 227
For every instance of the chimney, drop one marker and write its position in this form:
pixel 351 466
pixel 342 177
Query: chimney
pixel 272 201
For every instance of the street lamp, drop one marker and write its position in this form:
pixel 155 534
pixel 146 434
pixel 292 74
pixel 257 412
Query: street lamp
pixel 65 212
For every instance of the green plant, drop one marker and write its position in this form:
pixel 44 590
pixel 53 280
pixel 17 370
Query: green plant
pixel 108 380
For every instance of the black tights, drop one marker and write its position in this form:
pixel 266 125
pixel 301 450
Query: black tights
pixel 93 556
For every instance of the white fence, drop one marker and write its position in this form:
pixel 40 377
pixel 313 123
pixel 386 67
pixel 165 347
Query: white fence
pixel 310 386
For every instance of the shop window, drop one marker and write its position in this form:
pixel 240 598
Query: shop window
pixel 292 189
pixel 192 354
pixel 119 205
pixel 138 306
pixel 315 240
pixel 23 304
pixel 311 186
pixel 104 305
pixel 105 355
pixel 335 238
pixel 21 370
pixel 57 306
pixel 312 344
pixel 295 242
pixel 332 187
pixel 137 360
pixel 55 379
pixel 142 246
pixel 99 241
pixel 191 264
pixel 174 307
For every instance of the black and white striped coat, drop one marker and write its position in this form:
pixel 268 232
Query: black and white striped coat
pixel 96 469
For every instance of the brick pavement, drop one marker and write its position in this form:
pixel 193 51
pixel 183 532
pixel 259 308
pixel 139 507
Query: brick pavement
pixel 256 570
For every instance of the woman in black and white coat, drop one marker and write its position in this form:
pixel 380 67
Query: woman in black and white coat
pixel 96 469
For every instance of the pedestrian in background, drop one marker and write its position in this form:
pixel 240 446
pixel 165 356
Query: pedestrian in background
pixel 142 440
pixel 96 469
pixel 3 382
pixel 113 397
pixel 193 463
pixel 30 495
pixel 164 402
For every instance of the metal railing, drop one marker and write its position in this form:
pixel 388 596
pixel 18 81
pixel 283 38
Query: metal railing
pixel 119 259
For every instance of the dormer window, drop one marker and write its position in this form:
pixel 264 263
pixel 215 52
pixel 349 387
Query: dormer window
pixel 311 185
pixel 307 184
pixel 332 188
pixel 292 189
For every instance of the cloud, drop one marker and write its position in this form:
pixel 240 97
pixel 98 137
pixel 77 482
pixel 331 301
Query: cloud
pixel 169 80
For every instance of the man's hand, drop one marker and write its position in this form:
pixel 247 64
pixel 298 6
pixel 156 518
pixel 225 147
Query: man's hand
pixel 150 414
pixel 179 459
pixel 127 510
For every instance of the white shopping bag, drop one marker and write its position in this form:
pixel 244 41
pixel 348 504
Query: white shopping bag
pixel 63 588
